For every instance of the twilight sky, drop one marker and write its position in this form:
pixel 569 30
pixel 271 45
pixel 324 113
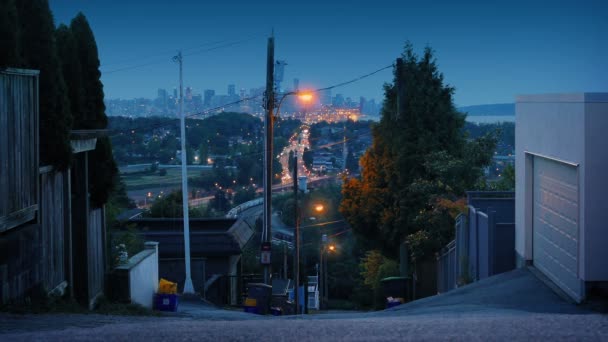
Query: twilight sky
pixel 489 52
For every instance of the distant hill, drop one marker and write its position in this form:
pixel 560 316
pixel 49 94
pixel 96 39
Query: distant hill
pixel 498 109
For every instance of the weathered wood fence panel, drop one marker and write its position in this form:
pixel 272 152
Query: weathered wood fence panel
pixel 96 253
pixel 54 220
pixel 18 147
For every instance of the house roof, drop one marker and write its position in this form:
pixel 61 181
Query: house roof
pixel 208 237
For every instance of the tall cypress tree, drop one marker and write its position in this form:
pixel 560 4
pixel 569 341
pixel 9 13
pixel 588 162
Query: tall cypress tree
pixel 103 170
pixel 38 49
pixel 9 35
pixel 72 73
pixel 93 115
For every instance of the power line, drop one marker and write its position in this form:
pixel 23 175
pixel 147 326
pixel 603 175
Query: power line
pixel 238 42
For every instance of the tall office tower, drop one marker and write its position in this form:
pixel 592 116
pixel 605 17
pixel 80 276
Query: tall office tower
pixel 208 97
pixel 189 93
pixel 338 100
pixel 231 90
pixel 175 93
pixel 161 99
pixel 362 105
pixel 296 84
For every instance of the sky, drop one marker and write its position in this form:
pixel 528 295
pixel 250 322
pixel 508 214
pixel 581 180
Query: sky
pixel 488 52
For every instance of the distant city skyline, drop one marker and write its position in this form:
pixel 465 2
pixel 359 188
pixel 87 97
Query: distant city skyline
pixel 488 52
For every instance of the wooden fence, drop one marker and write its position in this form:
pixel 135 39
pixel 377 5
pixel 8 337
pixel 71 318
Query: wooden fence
pixel 18 147
pixel 55 226
pixel 96 254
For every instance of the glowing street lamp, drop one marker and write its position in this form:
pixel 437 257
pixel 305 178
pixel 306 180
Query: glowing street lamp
pixel 319 208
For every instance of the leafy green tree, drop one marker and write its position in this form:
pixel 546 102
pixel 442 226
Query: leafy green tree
pixel 507 181
pixel 171 206
pixel 244 195
pixel 39 51
pixel 419 156
pixel 9 35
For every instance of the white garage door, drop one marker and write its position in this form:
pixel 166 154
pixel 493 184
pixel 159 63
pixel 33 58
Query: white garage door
pixel 556 213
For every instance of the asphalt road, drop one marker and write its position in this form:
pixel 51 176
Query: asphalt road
pixel 514 307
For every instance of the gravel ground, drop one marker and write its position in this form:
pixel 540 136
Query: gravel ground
pixel 515 306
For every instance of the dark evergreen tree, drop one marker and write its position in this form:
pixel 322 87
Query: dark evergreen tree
pixel 9 35
pixel 86 87
pixel 419 164
pixel 93 115
pixel 70 65
pixel 38 49
pixel 308 157
pixel 102 172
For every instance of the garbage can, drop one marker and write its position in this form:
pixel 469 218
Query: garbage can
pixel 395 288
pixel 262 295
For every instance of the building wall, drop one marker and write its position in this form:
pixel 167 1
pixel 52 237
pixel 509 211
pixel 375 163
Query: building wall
pixel 553 126
pixel 144 278
pixel 596 174
pixel 572 128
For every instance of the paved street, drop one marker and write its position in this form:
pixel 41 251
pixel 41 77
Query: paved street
pixel 515 306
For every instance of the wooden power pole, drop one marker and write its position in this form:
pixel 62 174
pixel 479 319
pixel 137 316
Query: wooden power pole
pixel 268 130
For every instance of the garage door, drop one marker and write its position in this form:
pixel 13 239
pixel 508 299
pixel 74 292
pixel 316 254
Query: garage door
pixel 555 240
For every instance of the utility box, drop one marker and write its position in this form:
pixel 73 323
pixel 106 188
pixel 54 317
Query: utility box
pixel 262 294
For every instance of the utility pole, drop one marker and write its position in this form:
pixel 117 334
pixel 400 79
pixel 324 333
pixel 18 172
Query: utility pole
pixel 297 235
pixel 268 129
pixel 188 287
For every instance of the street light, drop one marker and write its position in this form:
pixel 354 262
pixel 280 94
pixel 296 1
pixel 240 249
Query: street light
pixel 326 248
pixel 319 208
pixel 304 96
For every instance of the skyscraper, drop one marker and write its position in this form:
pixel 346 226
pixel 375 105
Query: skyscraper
pixel 208 97
pixel 231 90
pixel 189 93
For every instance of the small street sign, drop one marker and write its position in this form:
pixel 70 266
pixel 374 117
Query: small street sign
pixel 265 255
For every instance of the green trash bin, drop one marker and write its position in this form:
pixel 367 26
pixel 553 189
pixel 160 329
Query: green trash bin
pixel 395 287
pixel 262 293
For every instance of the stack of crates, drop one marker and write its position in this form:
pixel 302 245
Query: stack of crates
pixel 166 298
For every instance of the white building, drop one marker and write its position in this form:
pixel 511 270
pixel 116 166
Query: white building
pixel 562 188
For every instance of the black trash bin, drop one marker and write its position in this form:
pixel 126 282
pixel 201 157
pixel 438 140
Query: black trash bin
pixel 397 288
pixel 262 293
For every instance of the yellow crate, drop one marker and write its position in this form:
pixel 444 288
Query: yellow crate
pixel 251 302
pixel 167 287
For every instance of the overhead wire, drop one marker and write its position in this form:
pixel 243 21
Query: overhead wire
pixel 229 44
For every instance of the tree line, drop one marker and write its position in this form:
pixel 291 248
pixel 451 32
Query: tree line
pixel 70 88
